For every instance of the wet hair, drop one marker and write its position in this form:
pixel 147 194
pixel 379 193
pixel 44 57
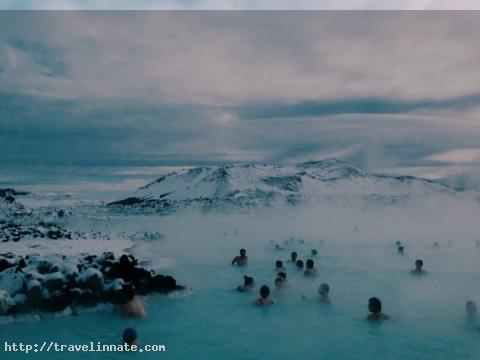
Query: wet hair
pixel 248 281
pixel 293 255
pixel 299 264
pixel 278 264
pixel 282 275
pixel 130 335
pixel 128 292
pixel 310 264
pixel 314 252
pixel 264 291
pixel 243 251
pixel 324 288
pixel 419 262
pixel 400 249
pixel 374 304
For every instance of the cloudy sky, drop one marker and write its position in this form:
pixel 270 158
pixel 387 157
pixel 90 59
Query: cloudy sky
pixel 380 89
pixel 240 4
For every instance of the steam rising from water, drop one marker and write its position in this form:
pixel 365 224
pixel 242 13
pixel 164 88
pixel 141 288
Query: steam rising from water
pixel 357 257
pixel 355 238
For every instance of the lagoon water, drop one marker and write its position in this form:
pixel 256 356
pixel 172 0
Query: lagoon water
pixel 357 257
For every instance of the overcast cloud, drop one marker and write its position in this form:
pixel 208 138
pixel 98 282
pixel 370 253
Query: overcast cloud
pixel 380 89
pixel 239 4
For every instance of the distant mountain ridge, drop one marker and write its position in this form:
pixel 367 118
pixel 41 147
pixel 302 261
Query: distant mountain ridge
pixel 254 184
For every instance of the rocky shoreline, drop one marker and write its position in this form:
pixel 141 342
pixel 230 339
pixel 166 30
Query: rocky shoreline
pixel 53 283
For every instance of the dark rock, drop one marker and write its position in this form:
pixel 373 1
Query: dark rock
pixel 6 264
pixel 54 281
pixel 33 291
pixel 90 258
pixel 12 192
pixel 163 283
pixel 126 202
pixel 43 267
pixel 92 280
pixel 87 298
pixel 10 198
pixel 57 301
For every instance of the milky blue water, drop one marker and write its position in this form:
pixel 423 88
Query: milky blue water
pixel 357 258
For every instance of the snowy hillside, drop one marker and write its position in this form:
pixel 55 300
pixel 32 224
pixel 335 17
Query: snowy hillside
pixel 264 184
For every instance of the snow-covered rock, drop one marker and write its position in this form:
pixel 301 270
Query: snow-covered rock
pixel 6 302
pixel 91 279
pixel 53 282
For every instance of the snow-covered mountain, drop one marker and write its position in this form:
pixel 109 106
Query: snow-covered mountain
pixel 251 185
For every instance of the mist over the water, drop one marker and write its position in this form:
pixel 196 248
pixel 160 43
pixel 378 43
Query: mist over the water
pixel 355 235
pixel 357 258
pixel 96 106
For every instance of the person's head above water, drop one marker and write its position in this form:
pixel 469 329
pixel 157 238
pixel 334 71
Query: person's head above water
pixel 418 265
pixel 471 307
pixel 314 252
pixel 293 256
pixel 299 264
pixel 375 309
pixel 278 264
pixel 243 252
pixel 248 281
pixel 282 276
pixel 310 264
pixel 400 249
pixel 130 336
pixel 128 293
pixel 264 292
pixel 374 305
pixel 324 289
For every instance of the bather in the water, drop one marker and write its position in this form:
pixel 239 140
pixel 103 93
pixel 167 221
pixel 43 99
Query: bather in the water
pixel 310 270
pixel 299 264
pixel 293 257
pixel 281 281
pixel 472 314
pixel 418 268
pixel 248 284
pixel 324 292
pixel 278 283
pixel 375 308
pixel 132 306
pixel 401 250
pixel 279 266
pixel 242 259
pixel 264 298
pixel 130 336
pixel 314 252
